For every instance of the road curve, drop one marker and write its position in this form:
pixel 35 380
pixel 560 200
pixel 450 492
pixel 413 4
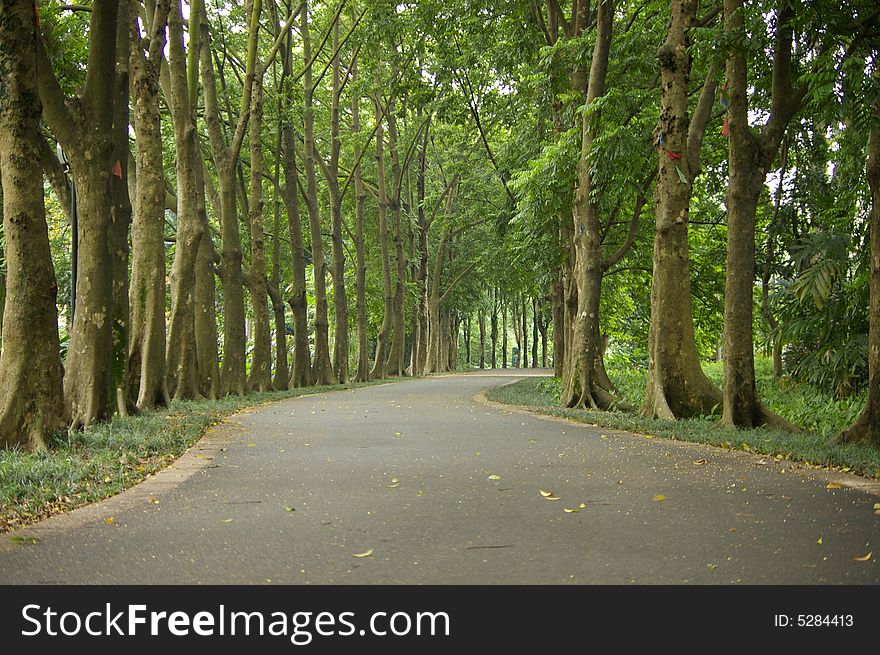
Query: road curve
pixel 440 488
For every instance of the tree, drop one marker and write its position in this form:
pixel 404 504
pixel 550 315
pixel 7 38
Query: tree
pixel 677 386
pixel 31 401
pixel 146 349
pixel 749 161
pixel 83 126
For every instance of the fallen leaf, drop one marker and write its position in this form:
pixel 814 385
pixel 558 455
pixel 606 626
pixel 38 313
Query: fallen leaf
pixel 571 510
pixel 832 485
pixel 251 445
pixel 393 485
pixel 712 567
pixel 109 520
pixel 366 553
pixel 25 540
pixel 863 559
pixel 845 469
pixel 288 508
pixel 819 541
pixel 545 493
pixel 659 497
pixel 746 447
pixel 649 436
pixel 877 506
pixel 551 497
pixel 603 436
pixel 700 462
pixel 154 501
pixel 477 454
pixel 494 477
pixel 226 521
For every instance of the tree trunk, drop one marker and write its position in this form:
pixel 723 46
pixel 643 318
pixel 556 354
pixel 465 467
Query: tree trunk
pixel 208 363
pixel 360 269
pixel 233 368
pixel 260 378
pixel 146 351
pixel 466 325
pixel 382 339
pixel 281 378
pixel 481 318
pixel 749 160
pixel 558 308
pixel 84 128
pixel 120 221
pixel 579 373
pixel 322 370
pixel 181 355
pixel 542 328
pixel 867 426
pixel 340 297
pixel 503 332
pixel 301 375
pixel 677 386
pixel 31 401
pixel 398 335
pixel 493 324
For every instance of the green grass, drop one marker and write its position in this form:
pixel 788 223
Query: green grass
pixel 83 467
pixel 819 414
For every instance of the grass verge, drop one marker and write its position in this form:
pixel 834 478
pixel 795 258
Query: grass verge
pixel 84 467
pixel 812 447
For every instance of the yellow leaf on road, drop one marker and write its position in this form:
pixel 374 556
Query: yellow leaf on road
pixel 574 510
pixel 494 477
pixel 545 493
pixel 366 553
pixel 700 462
pixel 819 541
pixel 832 485
pixel 863 559
pixel 109 520
pixel 659 497
pixel 226 521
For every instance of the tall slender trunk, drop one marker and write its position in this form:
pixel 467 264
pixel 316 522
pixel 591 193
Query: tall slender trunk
pixel 340 297
pixel 503 331
pixel 301 375
pixel 281 378
pixel 233 368
pixel 677 386
pixel 322 370
pixel 146 349
pixel 493 323
pixel 535 321
pixel 181 355
pixel 260 378
pixel 31 401
pixel 481 319
pixel 382 339
pixel 120 220
pixel 466 325
pixel 396 351
pixel 360 197
pixel 578 374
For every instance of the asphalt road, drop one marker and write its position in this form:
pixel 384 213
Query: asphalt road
pixel 441 488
